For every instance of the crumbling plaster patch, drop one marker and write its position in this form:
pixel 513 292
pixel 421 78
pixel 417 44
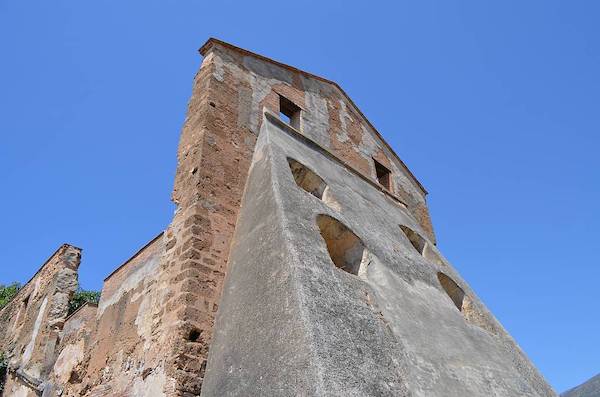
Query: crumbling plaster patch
pixel 255 75
pixel 68 359
pixel 342 135
pixel 218 72
pixel 152 386
pixel 34 333
pixel 147 319
pixel 130 283
pixel 36 288
pixel 368 145
pixel 20 391
pixel 315 118
pixel 263 69
pixel 262 78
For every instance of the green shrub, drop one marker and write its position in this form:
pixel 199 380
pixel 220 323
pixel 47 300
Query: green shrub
pixel 80 297
pixel 7 292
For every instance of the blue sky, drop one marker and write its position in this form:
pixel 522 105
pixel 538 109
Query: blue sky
pixel 493 105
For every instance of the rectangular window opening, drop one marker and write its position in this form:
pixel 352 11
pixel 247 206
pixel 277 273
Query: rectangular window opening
pixel 289 112
pixel 384 176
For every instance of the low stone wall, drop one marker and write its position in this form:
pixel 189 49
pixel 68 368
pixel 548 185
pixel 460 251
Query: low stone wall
pixel 99 349
pixel 114 359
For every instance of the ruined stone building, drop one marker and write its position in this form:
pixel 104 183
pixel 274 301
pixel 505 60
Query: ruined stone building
pixel 301 261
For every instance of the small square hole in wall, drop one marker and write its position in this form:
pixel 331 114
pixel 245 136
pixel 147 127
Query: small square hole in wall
pixel 384 176
pixel 289 112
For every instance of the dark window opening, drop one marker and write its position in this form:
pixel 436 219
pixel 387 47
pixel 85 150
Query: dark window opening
pixel 346 250
pixel 469 309
pixel 384 176
pixel 415 238
pixel 453 290
pixel 289 112
pixel 307 179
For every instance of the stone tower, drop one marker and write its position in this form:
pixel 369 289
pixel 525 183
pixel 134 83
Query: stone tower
pixel 301 261
pixel 334 284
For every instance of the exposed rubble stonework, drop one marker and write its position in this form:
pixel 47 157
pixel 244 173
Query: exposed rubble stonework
pixel 301 261
pixel 31 323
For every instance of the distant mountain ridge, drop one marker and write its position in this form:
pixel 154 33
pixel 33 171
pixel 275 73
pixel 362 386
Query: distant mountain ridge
pixel 591 388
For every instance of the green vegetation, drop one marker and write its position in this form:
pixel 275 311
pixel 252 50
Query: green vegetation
pixel 7 292
pixel 80 297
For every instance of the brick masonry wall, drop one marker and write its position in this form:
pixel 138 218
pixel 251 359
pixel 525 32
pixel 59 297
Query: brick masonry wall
pixel 213 159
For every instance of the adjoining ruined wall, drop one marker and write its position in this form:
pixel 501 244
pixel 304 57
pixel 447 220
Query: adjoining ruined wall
pixel 76 339
pixel 114 356
pixel 30 324
pixel 98 350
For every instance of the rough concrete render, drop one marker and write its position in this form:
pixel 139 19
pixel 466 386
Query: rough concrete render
pixel 301 261
pixel 590 388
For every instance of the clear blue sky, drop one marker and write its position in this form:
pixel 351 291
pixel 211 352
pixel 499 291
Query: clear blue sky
pixel 493 105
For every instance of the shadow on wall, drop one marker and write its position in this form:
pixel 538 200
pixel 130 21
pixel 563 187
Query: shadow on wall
pixel 312 183
pixel 3 371
pixel 346 250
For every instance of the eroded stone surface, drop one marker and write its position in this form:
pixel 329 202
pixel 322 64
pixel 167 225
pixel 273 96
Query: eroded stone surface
pixel 394 332
pixel 30 324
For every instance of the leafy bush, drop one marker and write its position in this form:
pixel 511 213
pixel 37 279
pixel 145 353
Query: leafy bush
pixel 80 297
pixel 7 292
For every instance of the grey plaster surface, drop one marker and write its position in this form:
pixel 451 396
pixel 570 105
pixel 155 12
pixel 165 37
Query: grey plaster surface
pixel 292 324
pixel 591 388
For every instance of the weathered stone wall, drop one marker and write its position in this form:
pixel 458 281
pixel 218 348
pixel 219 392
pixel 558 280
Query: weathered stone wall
pixel 399 324
pixel 328 117
pixel 230 92
pixel 76 340
pixel 113 362
pixel 30 324
pixel 98 350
